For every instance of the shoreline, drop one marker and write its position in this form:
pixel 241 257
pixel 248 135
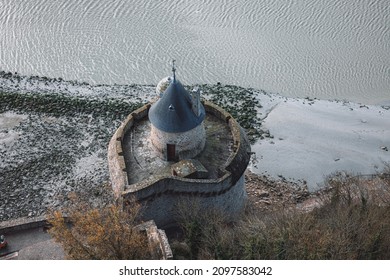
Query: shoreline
pixel 13 81
pixel 48 154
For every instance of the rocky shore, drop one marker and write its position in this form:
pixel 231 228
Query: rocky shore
pixel 267 194
pixel 54 136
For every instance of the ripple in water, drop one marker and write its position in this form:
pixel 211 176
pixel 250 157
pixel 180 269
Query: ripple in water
pixel 324 49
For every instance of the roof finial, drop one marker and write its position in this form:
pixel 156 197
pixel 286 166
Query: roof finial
pixel 174 70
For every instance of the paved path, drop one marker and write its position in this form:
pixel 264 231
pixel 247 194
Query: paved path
pixel 31 244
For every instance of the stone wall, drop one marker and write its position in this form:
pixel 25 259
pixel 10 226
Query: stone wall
pixel 15 225
pixel 157 240
pixel 160 195
pixel 161 199
pixel 188 144
pixel 116 161
pixel 238 161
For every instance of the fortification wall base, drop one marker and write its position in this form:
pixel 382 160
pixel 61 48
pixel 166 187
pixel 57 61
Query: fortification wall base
pixel 164 209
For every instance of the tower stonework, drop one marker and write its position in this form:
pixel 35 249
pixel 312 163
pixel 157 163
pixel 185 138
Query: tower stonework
pixel 177 132
pixel 178 146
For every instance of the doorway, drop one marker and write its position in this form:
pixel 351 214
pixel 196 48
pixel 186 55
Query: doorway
pixel 171 152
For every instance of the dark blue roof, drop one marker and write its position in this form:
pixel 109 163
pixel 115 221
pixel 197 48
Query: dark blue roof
pixel 173 111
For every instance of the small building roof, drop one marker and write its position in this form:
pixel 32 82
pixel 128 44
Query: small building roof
pixel 173 111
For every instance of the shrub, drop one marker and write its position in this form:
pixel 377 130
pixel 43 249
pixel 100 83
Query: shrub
pixel 351 222
pixel 99 234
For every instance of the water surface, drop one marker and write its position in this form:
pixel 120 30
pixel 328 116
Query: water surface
pixel 325 49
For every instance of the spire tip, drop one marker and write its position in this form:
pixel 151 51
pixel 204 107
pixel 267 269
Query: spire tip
pixel 174 70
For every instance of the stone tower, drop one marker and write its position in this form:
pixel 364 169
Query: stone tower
pixel 177 149
pixel 177 129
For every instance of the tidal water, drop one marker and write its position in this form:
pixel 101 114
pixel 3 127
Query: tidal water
pixel 325 49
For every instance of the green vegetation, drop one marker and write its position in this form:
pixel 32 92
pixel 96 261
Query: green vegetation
pixel 61 105
pixel 61 147
pixel 238 101
pixel 353 222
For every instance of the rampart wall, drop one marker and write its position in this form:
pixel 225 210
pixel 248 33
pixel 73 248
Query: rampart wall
pixel 116 161
pixel 161 194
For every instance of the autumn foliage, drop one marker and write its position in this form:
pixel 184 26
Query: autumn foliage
pixel 99 234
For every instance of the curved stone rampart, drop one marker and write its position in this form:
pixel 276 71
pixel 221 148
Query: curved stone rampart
pixel 162 206
pixel 148 189
pixel 161 193
pixel 239 159
pixel 116 161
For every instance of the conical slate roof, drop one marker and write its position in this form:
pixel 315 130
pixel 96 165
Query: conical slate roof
pixel 173 111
